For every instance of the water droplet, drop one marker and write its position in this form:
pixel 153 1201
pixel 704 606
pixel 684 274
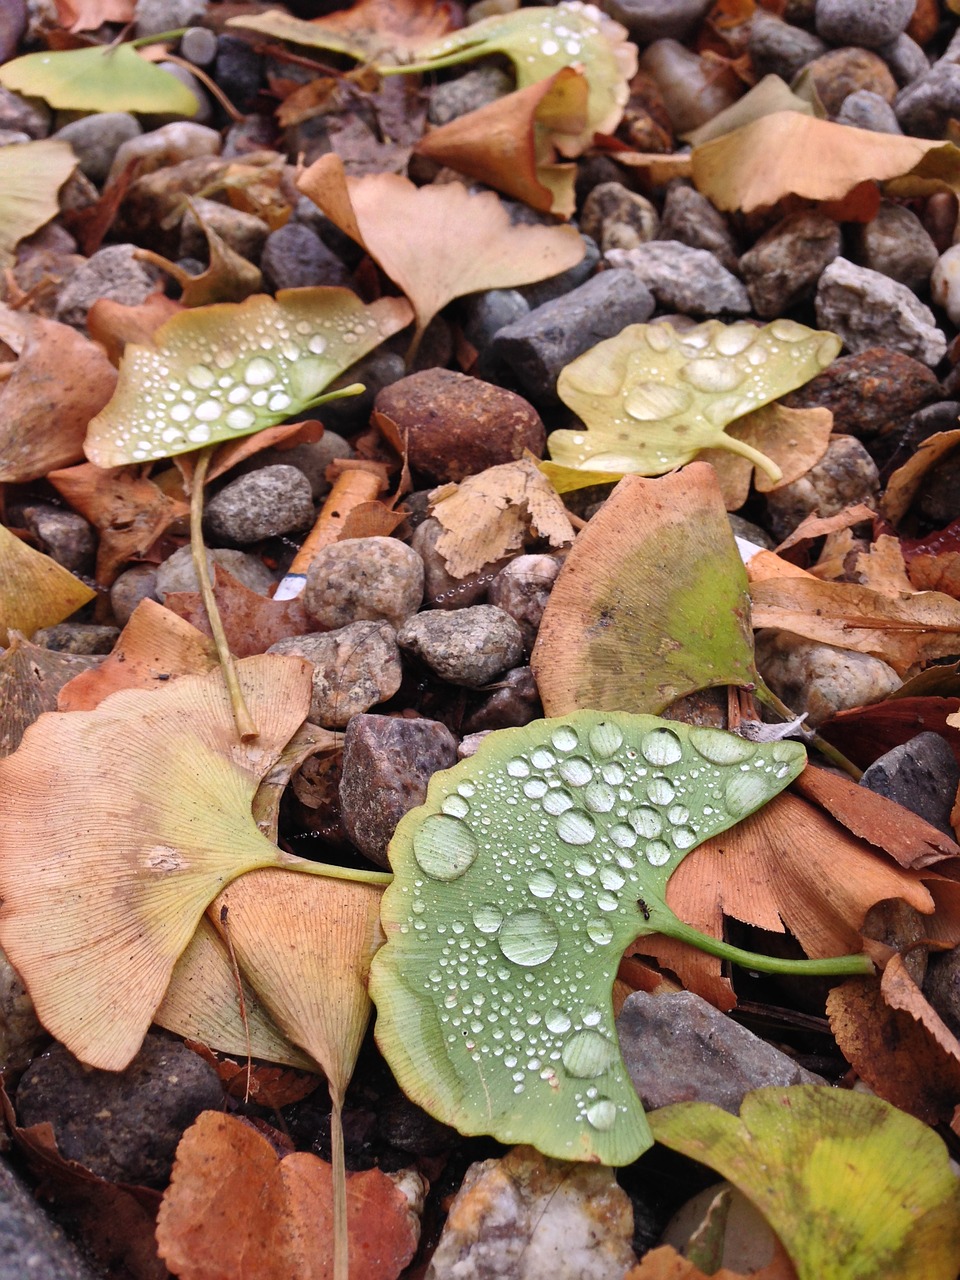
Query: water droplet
pixel 577 771
pixel 518 768
pixel 543 759
pixel 557 801
pixel 713 374
pixel 787 752
pixel 317 344
pixel 661 747
pixel 646 822
pixel 584 866
pixel 613 773
pixel 241 419
pixel 259 372
pixel 721 748
pixel 179 413
pixel 587 1054
pixel 576 827
pixel 201 377
pixel 444 847
pixel 789 331
pixel 658 853
pixel 607 901
pixel 602 1114
pixel 611 879
pixel 535 788
pixel 600 932
pixel 651 401
pixel 280 402
pixel 542 884
pixel 488 918
pixel 660 791
pixel 605 739
pixel 684 837
pixel 565 738
pixel 557 1022
pixel 238 395
pixel 528 938
pixel 455 806
pixel 732 339
pixel 679 814
pixel 199 435
pixel 623 836
pixel 744 793
pixel 599 797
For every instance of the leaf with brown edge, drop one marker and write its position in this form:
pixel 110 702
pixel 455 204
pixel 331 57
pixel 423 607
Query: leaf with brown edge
pixel 31 677
pixel 933 563
pixel 59 382
pixel 118 856
pixel 437 242
pixel 35 591
pixel 252 622
pixel 793 439
pixel 87 15
pixel 651 603
pixel 367 30
pixel 906 480
pixel 235 1210
pixel 113 324
pixel 814 526
pixel 152 648
pixel 509 144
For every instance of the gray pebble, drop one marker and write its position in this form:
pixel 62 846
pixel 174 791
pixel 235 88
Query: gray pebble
pixel 137 583
pixel 204 111
pixel 312 458
pixel 295 257
pixel 464 646
pixel 177 572
pixel 77 637
pixel 469 92
pixel 109 273
pixel 844 476
pixel 122 1125
pixel 682 279
pixel 820 679
pixel 922 775
pixel 387 763
pixel 199 46
pixel 864 109
pixel 354 668
pixel 261 504
pixel 783 267
pixel 649 20
pixel 777 48
pixel 363 579
pixel 618 218
pixel 154 16
pixel 167 146
pixel 13 137
pixel 485 314
pixel 34 1245
pixel 239 71
pixel 65 535
pixel 905 59
pixel 522 589
pixel 941 986
pixel 896 244
pixel 558 286
pixel 536 347
pixel 690 218
pixel 245 233
pixel 679 1048
pixel 868 23
pixel 867 309
pixel 31 116
pixel 515 701
pixel 95 140
pixel 925 107
pixel 938 498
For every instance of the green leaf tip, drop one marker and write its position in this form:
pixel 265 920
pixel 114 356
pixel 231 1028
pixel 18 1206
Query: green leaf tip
pixel 99 78
pixel 518 885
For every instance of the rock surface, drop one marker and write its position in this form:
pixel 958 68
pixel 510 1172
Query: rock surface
pixel 354 668
pixel 360 579
pixel 818 679
pixel 868 309
pixel 682 279
pixel 464 646
pixel 262 504
pixel 922 775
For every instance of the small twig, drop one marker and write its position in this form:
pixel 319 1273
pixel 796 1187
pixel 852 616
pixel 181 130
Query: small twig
pixel 770 699
pixel 210 85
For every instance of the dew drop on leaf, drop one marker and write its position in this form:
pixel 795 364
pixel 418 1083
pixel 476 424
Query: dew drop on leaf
pixel 528 938
pixel 444 847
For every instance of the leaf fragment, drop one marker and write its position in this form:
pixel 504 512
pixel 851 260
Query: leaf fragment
pixel 31 174
pixel 35 591
pixel 793 439
pixel 367 30
pixel 99 78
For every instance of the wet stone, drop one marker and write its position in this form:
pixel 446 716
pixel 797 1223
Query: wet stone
pixel 922 775
pixel 169 145
pixel 870 23
pixel 841 72
pixel 820 679
pixel 925 107
pixel 941 986
pixel 867 309
pixel 906 59
pixel 845 475
pixel 682 279
pixel 515 702
pixel 896 244
pixel 96 138
pixel 64 536
pixel 199 46
pixel 456 425
pixel 262 504
pixel 34 1248
pixel 536 347
pixel 137 583
pixel 469 92
pixel 618 218
pixel 485 314
pixel 441 589
pixel 312 458
pixel 379 369
pixel 522 589
pixel 679 1048
pixel 354 668
pixel 122 1125
pixel 295 257
pixel 690 218
pixel 387 763
pixel 783 267
pixel 559 286
pixel 77 637
pixel 113 273
pixel 243 232
pixel 938 497
pixel 178 574
pixel 464 646
pixel 360 579
pixel 867 110
pixel 154 16
pixel 778 48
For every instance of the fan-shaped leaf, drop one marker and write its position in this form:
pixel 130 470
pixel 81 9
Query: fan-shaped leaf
pixel 31 174
pixel 35 591
pixel 100 78
pixel 227 370
pixel 653 396
pixel 517 886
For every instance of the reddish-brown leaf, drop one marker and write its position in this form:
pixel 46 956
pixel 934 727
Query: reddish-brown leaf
pixel 252 622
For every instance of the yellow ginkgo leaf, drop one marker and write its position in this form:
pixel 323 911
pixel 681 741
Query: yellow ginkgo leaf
pixel 35 591
pixel 31 174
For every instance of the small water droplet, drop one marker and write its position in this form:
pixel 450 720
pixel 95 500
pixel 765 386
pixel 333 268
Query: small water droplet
pixel 528 938
pixel 599 797
pixel 542 884
pixel 201 377
pixel 542 758
pixel 600 932
pixel 678 814
pixel 584 866
pixel 576 827
pixel 602 1114
pixel 444 847
pixel 259 372
pixel 661 747
pixel 557 1022
pixel 240 419
pixel 623 835
pixel 607 901
pixel 660 791
pixel 565 738
pixel 587 1054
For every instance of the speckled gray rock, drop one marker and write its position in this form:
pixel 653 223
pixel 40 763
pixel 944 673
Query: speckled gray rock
pixel 239 71
pixel 354 668
pixel 312 458
pixel 522 589
pixel 245 233
pixel 690 218
pixel 868 23
pixel 845 475
pixel 169 145
pixel 515 701
pixel 922 775
pixel 783 267
pixel 261 504
pixel 363 579
pixel 866 110
pixel 469 92
pixel 109 273
pixel 31 116
pixel 485 314
pixel 295 257
pixel 32 1246
pixel 780 49
pixel 154 16
pixel 820 679
pixel 896 244
pixel 536 347
pixel 64 535
pixel 77 637
pixel 387 763
pixel 679 1048
pixel 649 20
pixel 95 140
pixel 867 309
pixel 925 106
pixel 122 1125
pixel 177 572
pixel 137 583
pixel 464 646
pixel 441 589
pixel 691 281
pixel 618 218
pixel 20 1031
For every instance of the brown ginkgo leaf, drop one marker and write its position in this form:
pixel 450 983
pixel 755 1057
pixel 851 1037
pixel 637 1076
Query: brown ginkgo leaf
pixel 794 439
pixel 437 242
pixel 118 827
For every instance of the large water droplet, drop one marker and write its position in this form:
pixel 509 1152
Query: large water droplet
pixel 658 853
pixel 557 1022
pixel 721 748
pixel 745 792
pixel 528 938
pixel 611 879
pixel 734 338
pixel 651 401
pixel 602 1114
pixel 557 801
pixel 542 884
pixel 661 746
pixel 605 739
pixel 535 788
pixel 564 738
pixel 646 822
pixel 444 847
pixel 684 837
pixel 679 814
pixel 455 806
pixel 576 827
pixel 660 791
pixel 607 901
pixel 613 773
pixel 577 771
pixel 488 918
pixel 713 374
pixel 200 376
pixel 600 932
pixel 584 866
pixel 599 797
pixel 623 835
pixel 543 759
pixel 518 768
pixel 259 372
pixel 587 1054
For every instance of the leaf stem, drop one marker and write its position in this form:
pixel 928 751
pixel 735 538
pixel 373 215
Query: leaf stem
pixel 241 715
pixel 767 465
pixel 304 865
pixel 162 37
pixel 338 1176
pixel 769 699
pixel 434 64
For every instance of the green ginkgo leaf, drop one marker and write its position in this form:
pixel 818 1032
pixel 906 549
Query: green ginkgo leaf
pixel 226 370
pixel 652 397
pixel 518 884
pixel 539 42
pixel 100 78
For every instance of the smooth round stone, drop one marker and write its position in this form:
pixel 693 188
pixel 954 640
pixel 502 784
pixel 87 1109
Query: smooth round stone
pixel 95 140
pixel 364 578
pixel 945 283
pixel 868 23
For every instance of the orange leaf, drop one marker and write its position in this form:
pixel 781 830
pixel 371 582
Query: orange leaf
pixel 865 733
pixel 906 480
pixel 666 1264
pixel 113 324
pixel 234 1210
pixel 794 439
pixel 87 15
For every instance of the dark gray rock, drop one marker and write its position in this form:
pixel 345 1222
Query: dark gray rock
pixel 238 71
pixel 122 1125
pixel 867 110
pixel 515 701
pixel 868 23
pixel 177 571
pixel 312 458
pixel 469 92
pixel 925 106
pixel 137 583
pixel 354 668
pixel 381 368
pixel 896 244
pixel 682 279
pixel 649 20
pixel 679 1048
pixel 464 646
pixel 783 267
pixel 938 497
pixel 95 140
pixel 32 1247
pixel 363 579
pixel 522 589
pixel 780 49
pixel 941 986
pixel 485 314
pixel 558 286
pixel 65 536
pixel 295 257
pixel 109 273
pixel 261 504
pixel 387 763
pixel 77 637
pixel 867 309
pixel 922 775
pixel 536 347
pixel 690 218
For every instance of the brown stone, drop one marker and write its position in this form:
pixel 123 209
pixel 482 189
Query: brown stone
pixel 454 425
pixel 843 71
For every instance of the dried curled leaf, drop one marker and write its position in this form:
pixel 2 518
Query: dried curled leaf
pixel 793 439
pixel 367 30
pixel 31 174
pixel 226 370
pixel 653 397
pixel 99 78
